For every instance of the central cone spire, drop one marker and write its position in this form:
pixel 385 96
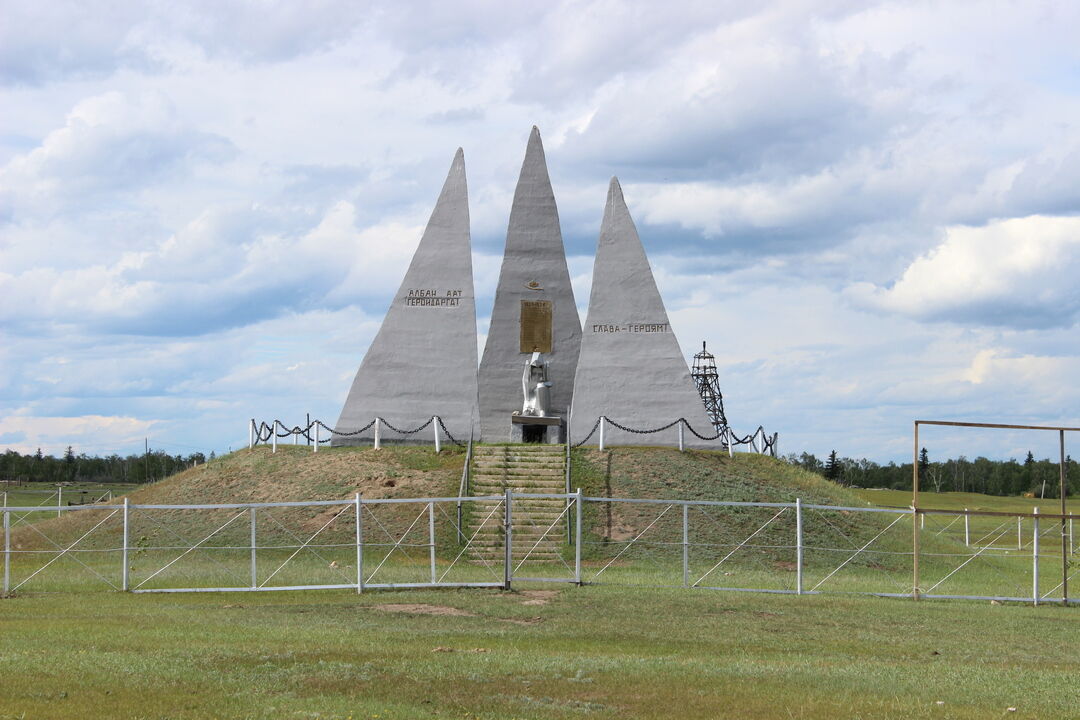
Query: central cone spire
pixel 534 304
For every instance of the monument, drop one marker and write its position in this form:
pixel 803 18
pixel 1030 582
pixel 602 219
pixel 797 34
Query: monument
pixel 631 369
pixel 627 365
pixel 534 312
pixel 422 362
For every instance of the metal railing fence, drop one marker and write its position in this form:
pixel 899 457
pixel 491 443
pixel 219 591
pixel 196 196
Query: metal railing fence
pixel 499 540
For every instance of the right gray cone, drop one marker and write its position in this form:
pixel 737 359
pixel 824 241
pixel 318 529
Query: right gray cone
pixel 631 369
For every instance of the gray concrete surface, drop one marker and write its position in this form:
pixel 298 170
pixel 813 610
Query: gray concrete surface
pixel 422 362
pixel 631 368
pixel 533 268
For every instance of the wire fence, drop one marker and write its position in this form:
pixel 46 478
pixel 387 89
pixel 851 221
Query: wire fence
pixel 514 538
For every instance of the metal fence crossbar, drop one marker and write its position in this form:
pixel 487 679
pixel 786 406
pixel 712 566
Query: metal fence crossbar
pixel 1051 591
pixel 229 571
pixel 64 552
pixel 193 547
pixel 979 541
pixel 308 545
pixel 740 545
pixel 389 535
pixel 396 544
pixel 854 546
pixel 638 537
pixel 544 535
pixel 857 552
pixel 297 551
pixel 961 565
pixel 953 522
pixel 22 518
pixel 468 543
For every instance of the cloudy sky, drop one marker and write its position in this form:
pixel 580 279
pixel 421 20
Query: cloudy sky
pixel 871 211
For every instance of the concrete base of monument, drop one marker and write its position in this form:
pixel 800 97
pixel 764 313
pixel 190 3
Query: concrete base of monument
pixel 533 429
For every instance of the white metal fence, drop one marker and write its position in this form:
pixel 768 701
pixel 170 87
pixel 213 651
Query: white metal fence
pixel 366 544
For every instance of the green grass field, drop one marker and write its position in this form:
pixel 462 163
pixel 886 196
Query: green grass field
pixel 620 647
pixel 35 494
pixel 577 652
pixel 971 501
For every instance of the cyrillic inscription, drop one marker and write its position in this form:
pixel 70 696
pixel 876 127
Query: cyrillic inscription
pixel 421 297
pixel 631 328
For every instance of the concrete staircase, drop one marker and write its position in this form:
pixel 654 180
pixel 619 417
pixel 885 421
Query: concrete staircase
pixel 536 469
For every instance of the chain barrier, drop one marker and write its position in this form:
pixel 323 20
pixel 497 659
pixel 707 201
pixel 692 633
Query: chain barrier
pixel 768 444
pixel 644 432
pixel 407 432
pixel 265 432
pixel 586 438
pixel 450 437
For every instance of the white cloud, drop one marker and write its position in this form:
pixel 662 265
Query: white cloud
pixel 85 433
pixel 196 197
pixel 1019 272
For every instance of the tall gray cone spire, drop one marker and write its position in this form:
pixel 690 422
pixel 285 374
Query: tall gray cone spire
pixel 631 369
pixel 423 360
pixel 534 304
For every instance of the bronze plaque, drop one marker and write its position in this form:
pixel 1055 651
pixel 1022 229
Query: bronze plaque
pixel 535 326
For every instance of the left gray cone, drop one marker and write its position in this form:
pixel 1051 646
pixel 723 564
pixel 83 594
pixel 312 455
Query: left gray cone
pixel 422 362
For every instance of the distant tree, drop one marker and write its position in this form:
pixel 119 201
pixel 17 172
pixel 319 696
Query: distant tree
pixel 832 467
pixel 38 456
pixel 69 455
pixel 924 464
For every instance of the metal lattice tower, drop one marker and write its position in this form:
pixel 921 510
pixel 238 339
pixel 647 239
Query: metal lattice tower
pixel 707 382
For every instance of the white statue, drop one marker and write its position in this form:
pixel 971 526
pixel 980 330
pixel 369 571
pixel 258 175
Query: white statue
pixel 535 387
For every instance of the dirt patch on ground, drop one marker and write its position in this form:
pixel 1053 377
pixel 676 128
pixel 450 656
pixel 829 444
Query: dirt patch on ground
pixel 538 597
pixel 618 528
pixel 423 609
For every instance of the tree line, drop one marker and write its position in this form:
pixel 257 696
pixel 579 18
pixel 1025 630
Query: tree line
pixel 1039 478
pixel 137 468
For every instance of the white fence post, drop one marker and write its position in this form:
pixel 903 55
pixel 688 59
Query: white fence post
pixel 273 434
pixel 295 435
pixel 431 540
pixel 1035 558
pixel 1019 533
pixel 577 538
pixel 435 427
pixel 254 570
pixel 508 532
pixel 378 433
pixel 602 420
pixel 685 545
pixel 967 529
pixel 681 446
pixel 1072 548
pixel 7 547
pixel 359 544
pixel 798 546
pixel 124 551
pixel 251 434
pixel 59 498
pixel 728 436
pixel 315 445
